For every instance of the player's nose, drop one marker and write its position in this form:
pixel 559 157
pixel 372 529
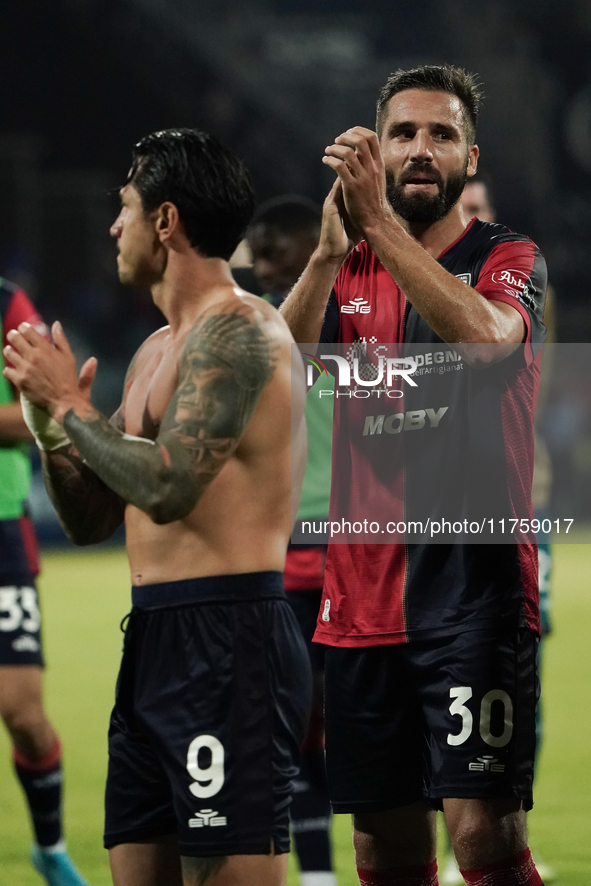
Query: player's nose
pixel 264 271
pixel 115 229
pixel 421 147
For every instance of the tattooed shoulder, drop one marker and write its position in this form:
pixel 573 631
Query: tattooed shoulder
pixel 227 361
pixel 239 339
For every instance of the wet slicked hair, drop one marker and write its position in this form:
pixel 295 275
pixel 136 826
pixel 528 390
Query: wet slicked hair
pixel 209 185
pixel 290 214
pixel 435 78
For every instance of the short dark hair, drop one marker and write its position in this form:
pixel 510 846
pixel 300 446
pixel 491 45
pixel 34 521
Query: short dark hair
pixel 209 185
pixel 289 214
pixel 435 78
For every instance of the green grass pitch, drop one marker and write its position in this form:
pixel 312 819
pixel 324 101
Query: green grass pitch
pixel 84 597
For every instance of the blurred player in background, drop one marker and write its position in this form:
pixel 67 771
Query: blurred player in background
pixel 282 236
pixel 37 750
pixel 214 687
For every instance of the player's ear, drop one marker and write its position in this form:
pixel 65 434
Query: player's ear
pixel 473 154
pixel 167 221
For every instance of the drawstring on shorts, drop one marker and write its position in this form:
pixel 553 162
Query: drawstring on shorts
pixel 124 623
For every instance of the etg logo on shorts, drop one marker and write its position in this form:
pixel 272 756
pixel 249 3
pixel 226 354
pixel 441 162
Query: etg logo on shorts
pixel 26 643
pixel 487 764
pixel 207 818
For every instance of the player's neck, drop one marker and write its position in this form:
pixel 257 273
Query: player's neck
pixel 436 237
pixel 191 283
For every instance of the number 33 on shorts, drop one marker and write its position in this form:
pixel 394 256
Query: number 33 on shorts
pixel 503 716
pixel 19 610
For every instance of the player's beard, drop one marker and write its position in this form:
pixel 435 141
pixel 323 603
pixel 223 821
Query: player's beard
pixel 423 208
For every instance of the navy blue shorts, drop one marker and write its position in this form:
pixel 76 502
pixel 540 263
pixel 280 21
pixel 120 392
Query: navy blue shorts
pixel 305 606
pixel 20 617
pixel 211 706
pixel 452 717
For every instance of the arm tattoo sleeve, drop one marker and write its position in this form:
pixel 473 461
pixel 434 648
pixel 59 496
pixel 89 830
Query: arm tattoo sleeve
pixel 88 510
pixel 226 362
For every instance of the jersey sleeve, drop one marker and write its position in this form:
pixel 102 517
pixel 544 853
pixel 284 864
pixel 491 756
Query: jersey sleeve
pixel 515 273
pixel 20 309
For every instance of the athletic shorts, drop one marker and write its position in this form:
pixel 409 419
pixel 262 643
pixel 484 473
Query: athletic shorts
pixel 20 617
pixel 305 606
pixel 452 717
pixel 211 705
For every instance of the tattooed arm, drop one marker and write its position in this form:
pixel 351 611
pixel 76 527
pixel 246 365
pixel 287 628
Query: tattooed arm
pixel 87 509
pixel 226 362
pixel 89 512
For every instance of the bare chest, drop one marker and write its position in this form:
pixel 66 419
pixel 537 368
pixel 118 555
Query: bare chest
pixel 149 393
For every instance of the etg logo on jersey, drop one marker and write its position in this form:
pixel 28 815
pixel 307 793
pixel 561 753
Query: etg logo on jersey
pixel 207 818
pixel 487 764
pixel 356 306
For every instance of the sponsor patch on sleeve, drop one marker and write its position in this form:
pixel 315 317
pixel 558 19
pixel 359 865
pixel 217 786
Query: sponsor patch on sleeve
pixel 516 284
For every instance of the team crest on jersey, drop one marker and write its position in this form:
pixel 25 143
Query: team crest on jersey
pixel 356 306
pixel 465 278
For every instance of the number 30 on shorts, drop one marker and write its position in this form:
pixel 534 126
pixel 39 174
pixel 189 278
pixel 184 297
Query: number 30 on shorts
pixel 208 779
pixel 461 694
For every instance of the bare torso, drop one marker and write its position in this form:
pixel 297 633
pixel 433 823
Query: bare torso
pixel 243 519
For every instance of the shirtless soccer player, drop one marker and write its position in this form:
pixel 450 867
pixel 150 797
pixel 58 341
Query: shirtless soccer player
pixel 214 687
pixel 423 637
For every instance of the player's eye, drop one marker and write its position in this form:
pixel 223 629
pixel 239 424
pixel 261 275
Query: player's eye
pixel 443 135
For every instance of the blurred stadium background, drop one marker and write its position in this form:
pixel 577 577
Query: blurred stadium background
pixel 82 80
pixel 277 80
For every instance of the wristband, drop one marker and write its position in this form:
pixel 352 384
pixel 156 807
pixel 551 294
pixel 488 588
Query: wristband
pixel 48 433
